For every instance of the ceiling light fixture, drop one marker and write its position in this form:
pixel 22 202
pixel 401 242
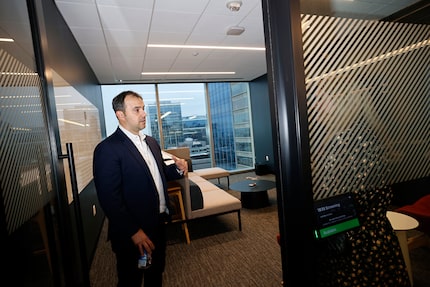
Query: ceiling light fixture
pixel 235 31
pixel 187 73
pixel 6 40
pixel 205 47
pixel 234 6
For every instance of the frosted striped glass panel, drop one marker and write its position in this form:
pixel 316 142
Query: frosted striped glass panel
pixel 25 166
pixel 368 97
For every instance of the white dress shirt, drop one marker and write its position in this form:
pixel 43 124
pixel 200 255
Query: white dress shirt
pixel 140 142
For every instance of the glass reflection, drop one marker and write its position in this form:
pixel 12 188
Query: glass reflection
pixel 79 124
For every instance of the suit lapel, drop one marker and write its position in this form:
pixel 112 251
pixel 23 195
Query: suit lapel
pixel 138 157
pixel 135 154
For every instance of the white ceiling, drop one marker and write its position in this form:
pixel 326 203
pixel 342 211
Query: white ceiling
pixel 113 34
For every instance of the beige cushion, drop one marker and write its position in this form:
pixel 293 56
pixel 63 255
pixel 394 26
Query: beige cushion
pixel 215 199
pixel 212 172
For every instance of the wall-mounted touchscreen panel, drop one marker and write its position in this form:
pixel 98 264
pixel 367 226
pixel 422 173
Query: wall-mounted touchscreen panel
pixel 334 215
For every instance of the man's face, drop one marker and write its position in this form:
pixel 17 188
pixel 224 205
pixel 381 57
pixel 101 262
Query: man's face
pixel 134 116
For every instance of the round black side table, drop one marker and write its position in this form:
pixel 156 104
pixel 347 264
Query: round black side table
pixel 253 193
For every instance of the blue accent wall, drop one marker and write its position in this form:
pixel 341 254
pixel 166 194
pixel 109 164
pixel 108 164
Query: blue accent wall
pixel 261 121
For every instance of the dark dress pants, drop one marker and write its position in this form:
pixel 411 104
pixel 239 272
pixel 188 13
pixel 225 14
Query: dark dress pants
pixel 127 255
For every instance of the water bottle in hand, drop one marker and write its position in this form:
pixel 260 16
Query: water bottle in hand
pixel 144 261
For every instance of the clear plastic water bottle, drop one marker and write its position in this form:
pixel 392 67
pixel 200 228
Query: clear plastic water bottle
pixel 144 261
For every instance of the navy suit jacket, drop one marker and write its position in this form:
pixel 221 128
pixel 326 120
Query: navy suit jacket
pixel 125 187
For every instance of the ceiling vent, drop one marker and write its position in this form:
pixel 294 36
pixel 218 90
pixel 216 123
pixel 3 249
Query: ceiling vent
pixel 235 30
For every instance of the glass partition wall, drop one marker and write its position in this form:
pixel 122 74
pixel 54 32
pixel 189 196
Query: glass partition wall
pixel 212 119
pixel 29 213
pixel 368 102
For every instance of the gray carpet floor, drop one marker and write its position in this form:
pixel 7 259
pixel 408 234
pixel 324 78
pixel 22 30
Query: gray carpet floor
pixel 220 255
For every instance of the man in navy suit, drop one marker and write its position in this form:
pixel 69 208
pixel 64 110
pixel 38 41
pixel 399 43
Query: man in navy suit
pixel 131 182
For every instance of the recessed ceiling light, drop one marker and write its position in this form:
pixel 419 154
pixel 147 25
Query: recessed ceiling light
pixel 206 47
pixel 235 31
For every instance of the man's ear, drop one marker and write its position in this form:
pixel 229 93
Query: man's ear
pixel 120 114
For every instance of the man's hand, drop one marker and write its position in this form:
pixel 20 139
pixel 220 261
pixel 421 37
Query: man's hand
pixel 142 241
pixel 181 164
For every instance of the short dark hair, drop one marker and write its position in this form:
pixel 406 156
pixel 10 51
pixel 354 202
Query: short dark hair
pixel 118 101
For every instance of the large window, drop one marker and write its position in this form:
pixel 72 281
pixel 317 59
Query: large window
pixel 213 120
pixel 185 121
